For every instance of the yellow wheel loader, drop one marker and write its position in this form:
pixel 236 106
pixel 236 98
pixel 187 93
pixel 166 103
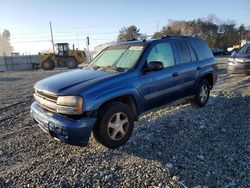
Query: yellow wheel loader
pixel 63 57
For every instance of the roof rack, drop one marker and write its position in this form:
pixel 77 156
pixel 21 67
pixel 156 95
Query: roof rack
pixel 133 39
pixel 169 36
pixel 143 40
pixel 181 36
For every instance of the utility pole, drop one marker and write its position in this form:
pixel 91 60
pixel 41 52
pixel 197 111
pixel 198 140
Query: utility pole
pixel 52 40
pixel 157 24
pixel 87 43
pixel 77 40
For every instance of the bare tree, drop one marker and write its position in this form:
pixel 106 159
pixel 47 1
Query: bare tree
pixel 5 46
pixel 217 35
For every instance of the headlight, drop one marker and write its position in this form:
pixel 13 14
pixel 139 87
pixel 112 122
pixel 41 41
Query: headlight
pixel 239 60
pixel 69 104
pixel 242 60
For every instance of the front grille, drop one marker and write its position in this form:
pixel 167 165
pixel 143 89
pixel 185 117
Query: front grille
pixel 46 96
pixel 46 100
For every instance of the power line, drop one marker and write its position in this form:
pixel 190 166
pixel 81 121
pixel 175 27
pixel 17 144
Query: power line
pixel 37 41
pixel 34 41
pixel 104 25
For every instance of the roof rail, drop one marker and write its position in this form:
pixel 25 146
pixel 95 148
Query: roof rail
pixel 169 36
pixel 182 36
pixel 133 39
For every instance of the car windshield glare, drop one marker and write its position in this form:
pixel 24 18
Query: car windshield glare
pixel 119 56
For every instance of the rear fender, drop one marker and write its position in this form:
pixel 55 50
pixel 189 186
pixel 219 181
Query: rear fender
pixel 203 73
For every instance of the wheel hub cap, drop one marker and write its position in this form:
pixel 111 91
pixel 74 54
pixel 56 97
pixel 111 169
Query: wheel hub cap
pixel 118 126
pixel 203 93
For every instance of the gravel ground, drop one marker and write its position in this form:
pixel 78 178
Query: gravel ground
pixel 178 146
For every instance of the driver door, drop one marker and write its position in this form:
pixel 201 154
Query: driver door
pixel 160 87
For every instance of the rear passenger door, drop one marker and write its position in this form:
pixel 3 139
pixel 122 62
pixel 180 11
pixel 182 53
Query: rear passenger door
pixel 186 66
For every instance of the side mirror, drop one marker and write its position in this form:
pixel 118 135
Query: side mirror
pixel 154 66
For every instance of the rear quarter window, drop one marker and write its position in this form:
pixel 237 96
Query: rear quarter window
pixel 201 49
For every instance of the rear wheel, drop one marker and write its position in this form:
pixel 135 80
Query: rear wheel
pixel 202 93
pixel 71 63
pixel 114 125
pixel 48 64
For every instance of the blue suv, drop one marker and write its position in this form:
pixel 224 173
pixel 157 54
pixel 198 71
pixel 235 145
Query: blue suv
pixel 122 82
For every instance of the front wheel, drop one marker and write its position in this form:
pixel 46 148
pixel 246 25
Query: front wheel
pixel 114 125
pixel 202 93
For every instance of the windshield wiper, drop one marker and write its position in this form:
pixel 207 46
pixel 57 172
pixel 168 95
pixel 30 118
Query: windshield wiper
pixel 95 67
pixel 118 69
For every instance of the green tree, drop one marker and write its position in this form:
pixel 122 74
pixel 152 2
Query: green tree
pixel 229 37
pixel 247 36
pixel 242 31
pixel 129 33
pixel 173 29
pixel 157 35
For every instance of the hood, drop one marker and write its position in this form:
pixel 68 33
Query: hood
pixel 71 82
pixel 241 55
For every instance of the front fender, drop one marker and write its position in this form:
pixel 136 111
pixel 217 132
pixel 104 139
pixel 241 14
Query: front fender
pixel 108 95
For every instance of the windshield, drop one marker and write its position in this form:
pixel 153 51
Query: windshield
pixel 244 49
pixel 120 56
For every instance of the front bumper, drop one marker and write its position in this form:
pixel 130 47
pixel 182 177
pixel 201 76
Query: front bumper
pixel 238 68
pixel 74 132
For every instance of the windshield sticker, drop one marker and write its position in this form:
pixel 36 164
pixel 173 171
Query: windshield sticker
pixel 136 48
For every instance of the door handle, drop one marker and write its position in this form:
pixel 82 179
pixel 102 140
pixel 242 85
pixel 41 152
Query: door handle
pixel 175 74
pixel 198 68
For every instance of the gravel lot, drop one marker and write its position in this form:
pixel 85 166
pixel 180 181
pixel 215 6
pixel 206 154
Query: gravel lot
pixel 178 146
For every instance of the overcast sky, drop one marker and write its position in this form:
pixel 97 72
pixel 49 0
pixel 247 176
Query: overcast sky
pixel 73 20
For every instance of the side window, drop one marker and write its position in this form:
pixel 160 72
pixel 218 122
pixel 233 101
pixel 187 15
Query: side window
pixel 182 47
pixel 248 49
pixel 192 53
pixel 162 52
pixel 201 48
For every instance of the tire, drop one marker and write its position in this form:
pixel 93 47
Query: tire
pixel 48 64
pixel 114 125
pixel 202 93
pixel 71 63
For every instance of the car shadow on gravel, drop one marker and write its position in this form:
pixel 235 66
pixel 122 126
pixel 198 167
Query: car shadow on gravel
pixel 202 146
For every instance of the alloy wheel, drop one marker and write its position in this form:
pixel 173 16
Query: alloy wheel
pixel 204 93
pixel 118 126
